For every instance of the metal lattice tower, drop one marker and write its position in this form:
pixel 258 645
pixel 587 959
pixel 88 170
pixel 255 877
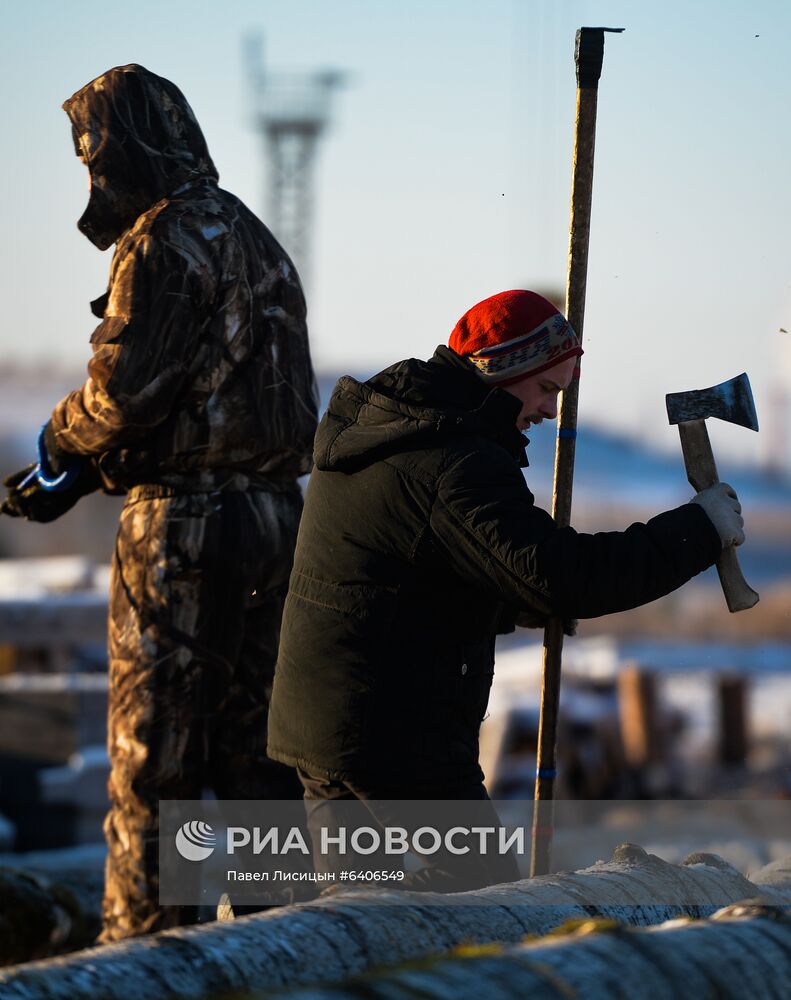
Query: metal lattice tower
pixel 292 112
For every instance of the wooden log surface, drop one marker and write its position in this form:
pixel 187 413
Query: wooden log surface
pixel 742 951
pixel 348 933
pixel 43 914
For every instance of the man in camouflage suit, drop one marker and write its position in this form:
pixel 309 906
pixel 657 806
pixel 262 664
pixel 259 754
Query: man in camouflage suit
pixel 200 406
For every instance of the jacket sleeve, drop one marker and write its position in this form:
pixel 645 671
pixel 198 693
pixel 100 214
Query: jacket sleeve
pixel 487 526
pixel 142 349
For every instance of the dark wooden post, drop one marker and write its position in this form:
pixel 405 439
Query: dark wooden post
pixel 638 713
pixel 733 726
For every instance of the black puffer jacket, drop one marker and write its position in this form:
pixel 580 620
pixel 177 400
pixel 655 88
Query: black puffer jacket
pixel 419 535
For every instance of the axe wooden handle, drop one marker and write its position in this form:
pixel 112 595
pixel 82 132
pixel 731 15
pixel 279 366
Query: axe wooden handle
pixel 702 473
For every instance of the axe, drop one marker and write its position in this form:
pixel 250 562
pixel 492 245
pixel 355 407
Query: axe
pixel 731 401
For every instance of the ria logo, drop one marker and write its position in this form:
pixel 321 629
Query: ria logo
pixel 195 840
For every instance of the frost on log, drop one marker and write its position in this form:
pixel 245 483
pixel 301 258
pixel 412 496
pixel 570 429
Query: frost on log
pixel 341 935
pixel 742 951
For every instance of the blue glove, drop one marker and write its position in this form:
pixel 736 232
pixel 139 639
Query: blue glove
pixel 57 469
pixel 46 490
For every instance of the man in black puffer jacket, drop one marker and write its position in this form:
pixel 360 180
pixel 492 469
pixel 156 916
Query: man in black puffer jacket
pixel 420 541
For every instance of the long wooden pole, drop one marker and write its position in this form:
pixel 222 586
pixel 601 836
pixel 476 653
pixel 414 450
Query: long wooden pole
pixel 588 57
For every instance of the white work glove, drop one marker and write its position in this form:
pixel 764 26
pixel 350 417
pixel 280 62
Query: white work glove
pixel 725 512
pixel 531 619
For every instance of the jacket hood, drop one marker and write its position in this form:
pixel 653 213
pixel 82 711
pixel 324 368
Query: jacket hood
pixel 140 141
pixel 413 404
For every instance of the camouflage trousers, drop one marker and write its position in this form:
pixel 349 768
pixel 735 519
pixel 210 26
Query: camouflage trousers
pixel 197 590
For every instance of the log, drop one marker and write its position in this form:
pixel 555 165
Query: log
pixel 50 901
pixel 347 933
pixel 43 915
pixel 743 951
pixel 776 874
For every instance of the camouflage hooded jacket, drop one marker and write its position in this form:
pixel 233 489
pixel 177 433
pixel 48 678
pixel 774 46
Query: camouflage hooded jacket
pixel 200 367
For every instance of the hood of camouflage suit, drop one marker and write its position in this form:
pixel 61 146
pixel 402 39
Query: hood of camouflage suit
pixel 140 140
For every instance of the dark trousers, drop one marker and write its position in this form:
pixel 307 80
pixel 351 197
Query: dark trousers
pixel 197 590
pixel 408 805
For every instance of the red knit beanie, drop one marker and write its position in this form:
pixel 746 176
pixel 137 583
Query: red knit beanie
pixel 512 335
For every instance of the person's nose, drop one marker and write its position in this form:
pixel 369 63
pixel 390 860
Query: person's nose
pixel 549 409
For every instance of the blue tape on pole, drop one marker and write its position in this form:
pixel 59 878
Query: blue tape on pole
pixel 566 433
pixel 546 772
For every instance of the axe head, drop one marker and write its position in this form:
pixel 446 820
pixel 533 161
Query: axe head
pixel 731 401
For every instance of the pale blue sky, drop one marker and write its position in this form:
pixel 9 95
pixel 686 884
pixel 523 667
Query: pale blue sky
pixel 446 176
